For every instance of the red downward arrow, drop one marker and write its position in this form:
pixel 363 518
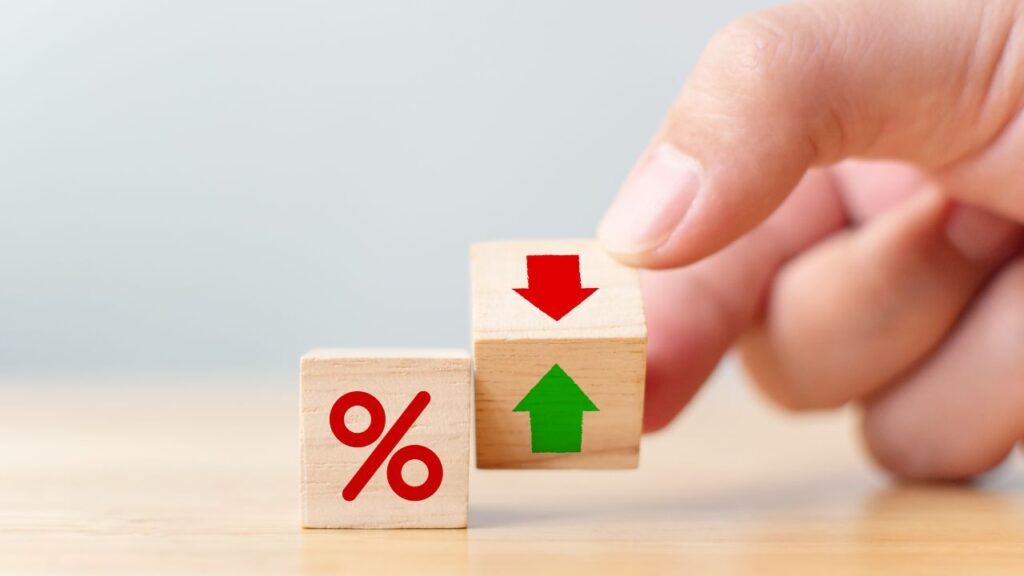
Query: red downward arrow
pixel 555 286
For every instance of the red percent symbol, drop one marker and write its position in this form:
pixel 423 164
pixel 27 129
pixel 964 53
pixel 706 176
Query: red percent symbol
pixel 386 446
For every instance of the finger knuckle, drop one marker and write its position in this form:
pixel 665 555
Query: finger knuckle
pixel 753 48
pixel 922 454
pixel 790 389
pixel 779 62
pixel 767 47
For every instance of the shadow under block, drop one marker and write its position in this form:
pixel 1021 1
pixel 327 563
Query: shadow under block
pixel 394 378
pixel 601 345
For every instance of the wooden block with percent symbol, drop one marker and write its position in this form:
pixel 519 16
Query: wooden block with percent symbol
pixel 559 342
pixel 385 439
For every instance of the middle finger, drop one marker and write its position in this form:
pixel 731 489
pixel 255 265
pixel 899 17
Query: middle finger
pixel 856 311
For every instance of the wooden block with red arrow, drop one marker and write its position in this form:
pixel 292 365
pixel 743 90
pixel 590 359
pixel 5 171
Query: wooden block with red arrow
pixel 560 352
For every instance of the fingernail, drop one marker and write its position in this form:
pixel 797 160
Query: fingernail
pixel 651 203
pixel 980 235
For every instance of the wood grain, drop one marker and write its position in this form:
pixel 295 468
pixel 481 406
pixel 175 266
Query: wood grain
pixel 161 475
pixel 393 377
pixel 601 345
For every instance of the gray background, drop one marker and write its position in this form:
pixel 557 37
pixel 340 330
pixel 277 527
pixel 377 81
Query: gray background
pixel 202 186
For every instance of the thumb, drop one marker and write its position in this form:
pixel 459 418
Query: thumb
pixel 933 82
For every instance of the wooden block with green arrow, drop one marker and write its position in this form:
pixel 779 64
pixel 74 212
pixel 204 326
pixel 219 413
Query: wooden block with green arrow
pixel 560 352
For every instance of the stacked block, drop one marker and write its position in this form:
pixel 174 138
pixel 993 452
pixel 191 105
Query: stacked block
pixel 559 346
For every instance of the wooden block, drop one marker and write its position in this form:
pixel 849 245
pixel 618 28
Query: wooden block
pixel 361 412
pixel 535 376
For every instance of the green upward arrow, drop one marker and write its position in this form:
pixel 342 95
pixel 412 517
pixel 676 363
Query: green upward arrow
pixel 556 406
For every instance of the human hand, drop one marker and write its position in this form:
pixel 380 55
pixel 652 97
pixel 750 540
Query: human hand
pixel 895 281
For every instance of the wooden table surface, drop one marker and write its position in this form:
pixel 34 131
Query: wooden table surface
pixel 190 476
